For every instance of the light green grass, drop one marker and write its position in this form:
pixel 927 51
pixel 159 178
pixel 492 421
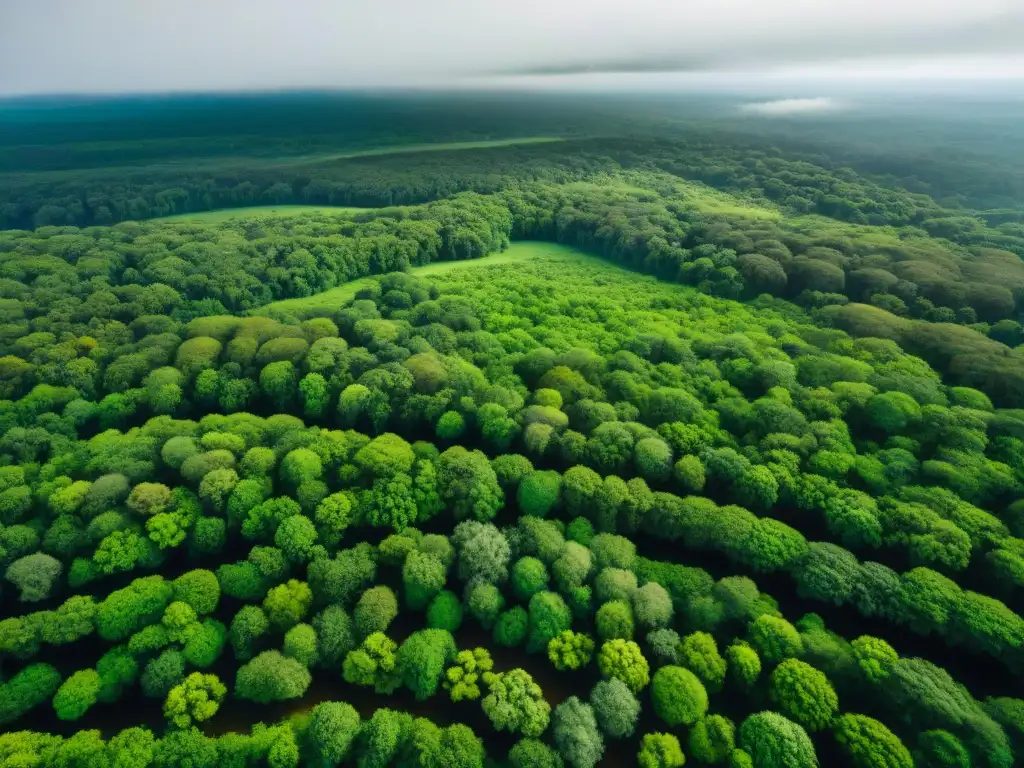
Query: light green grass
pixel 709 200
pixel 221 215
pixel 330 301
pixel 721 204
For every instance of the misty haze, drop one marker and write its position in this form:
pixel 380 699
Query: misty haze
pixel 463 384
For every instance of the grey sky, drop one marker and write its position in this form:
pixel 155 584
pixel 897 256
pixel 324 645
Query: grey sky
pixel 62 46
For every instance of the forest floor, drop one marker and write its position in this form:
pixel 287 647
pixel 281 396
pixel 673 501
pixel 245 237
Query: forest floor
pixel 331 300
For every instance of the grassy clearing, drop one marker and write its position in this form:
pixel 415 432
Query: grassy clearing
pixel 442 147
pixel 722 204
pixel 229 214
pixel 330 301
pixel 709 200
pixel 696 195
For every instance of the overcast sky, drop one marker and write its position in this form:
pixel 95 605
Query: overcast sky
pixel 102 46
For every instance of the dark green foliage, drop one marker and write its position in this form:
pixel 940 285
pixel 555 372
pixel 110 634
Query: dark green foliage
pixel 941 749
pixel 163 673
pixel 421 660
pixel 467 483
pixel 549 616
pixel 381 736
pixel 484 603
pixel 127 610
pixel 27 689
pixel 445 612
pixel 335 635
pixel 117 670
pixel 247 627
pixel 512 627
pixel 529 576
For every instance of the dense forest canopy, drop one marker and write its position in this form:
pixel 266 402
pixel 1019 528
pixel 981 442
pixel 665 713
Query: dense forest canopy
pixel 585 436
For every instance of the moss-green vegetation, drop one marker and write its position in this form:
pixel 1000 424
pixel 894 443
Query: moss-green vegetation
pixel 256 211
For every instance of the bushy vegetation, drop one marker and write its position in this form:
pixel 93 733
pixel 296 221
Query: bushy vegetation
pixel 202 505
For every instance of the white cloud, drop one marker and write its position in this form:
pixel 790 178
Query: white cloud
pixel 51 46
pixel 788 107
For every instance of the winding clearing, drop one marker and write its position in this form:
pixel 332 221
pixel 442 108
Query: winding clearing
pixel 330 301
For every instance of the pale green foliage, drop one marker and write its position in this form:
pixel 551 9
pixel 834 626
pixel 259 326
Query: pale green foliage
pixel 576 734
pixel 195 699
pixel 743 663
pixel 624 660
pixel 462 681
pixel 570 650
pixel 660 750
pixel 699 653
pixel 516 704
pixel 615 707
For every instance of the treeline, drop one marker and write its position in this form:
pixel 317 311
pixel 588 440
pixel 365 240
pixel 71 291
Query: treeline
pixel 331 732
pixel 103 198
pixel 61 281
pixel 961 152
pixel 83 198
